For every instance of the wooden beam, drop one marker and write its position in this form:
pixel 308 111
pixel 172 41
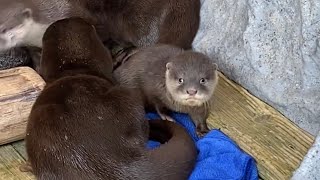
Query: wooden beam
pixel 10 161
pixel 277 144
pixel 19 87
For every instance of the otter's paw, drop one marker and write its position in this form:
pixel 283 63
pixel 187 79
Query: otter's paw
pixel 123 55
pixel 166 117
pixel 202 130
pixel 26 167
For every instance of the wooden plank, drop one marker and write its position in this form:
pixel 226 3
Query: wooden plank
pixel 10 160
pixel 19 89
pixel 19 146
pixel 275 142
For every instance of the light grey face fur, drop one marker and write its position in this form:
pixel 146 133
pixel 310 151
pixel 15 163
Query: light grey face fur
pixel 191 78
pixel 17 26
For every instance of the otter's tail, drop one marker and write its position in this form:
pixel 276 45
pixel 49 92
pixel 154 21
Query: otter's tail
pixel 177 153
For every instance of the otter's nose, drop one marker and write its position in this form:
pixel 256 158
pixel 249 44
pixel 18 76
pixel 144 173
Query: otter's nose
pixel 192 92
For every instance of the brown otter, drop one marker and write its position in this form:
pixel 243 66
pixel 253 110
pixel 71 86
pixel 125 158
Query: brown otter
pixel 136 22
pixel 172 78
pixel 84 127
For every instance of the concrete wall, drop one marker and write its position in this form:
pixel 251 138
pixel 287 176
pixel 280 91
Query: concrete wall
pixel 270 47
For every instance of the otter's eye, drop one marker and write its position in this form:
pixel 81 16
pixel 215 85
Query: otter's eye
pixel 180 80
pixel 4 30
pixel 202 81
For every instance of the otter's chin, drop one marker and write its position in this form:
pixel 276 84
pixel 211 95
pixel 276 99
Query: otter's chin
pixel 194 103
pixel 191 102
pixel 187 100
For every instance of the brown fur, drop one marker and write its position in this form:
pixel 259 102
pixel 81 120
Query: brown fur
pixel 77 50
pixel 83 127
pixel 156 70
pixel 137 22
pixel 146 22
pixel 128 23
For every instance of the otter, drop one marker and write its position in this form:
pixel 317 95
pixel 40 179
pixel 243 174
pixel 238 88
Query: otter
pixel 83 126
pixel 17 24
pixel 172 79
pixel 135 22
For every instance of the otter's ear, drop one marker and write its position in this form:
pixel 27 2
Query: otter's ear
pixel 169 65
pixel 215 66
pixel 27 13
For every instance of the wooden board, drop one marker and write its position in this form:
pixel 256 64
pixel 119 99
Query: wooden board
pixel 10 161
pixel 275 142
pixel 18 91
pixel 19 146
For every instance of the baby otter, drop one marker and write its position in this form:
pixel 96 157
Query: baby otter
pixel 83 127
pixel 172 78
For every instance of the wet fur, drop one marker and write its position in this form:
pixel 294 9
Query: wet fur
pixel 84 127
pixel 146 70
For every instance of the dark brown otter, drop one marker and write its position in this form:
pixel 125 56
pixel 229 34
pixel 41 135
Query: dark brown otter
pixel 172 78
pixel 77 50
pixel 83 127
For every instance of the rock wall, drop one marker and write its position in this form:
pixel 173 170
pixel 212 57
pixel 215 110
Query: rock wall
pixel 14 57
pixel 310 167
pixel 272 48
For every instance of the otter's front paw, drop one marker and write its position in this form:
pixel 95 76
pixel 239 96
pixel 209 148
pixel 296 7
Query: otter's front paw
pixel 123 55
pixel 26 167
pixel 202 130
pixel 166 117
pixel 163 115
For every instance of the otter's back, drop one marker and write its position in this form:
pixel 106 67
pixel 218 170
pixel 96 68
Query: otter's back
pixel 85 127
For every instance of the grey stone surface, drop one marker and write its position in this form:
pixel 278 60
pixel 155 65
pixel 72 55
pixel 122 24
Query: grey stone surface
pixel 310 166
pixel 272 48
pixel 14 57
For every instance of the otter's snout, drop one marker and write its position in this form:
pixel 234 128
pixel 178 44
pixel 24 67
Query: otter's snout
pixel 192 92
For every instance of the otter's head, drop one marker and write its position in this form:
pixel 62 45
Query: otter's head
pixel 72 46
pixel 15 23
pixel 191 78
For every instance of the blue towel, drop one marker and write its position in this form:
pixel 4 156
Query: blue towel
pixel 219 158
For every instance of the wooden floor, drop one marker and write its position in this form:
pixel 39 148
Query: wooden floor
pixel 277 144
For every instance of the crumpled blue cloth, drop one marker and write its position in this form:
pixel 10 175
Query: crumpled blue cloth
pixel 219 158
